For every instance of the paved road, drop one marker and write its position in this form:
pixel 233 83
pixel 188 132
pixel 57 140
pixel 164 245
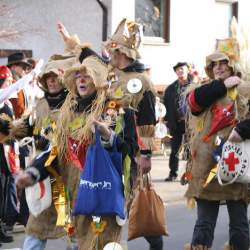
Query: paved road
pixel 180 226
pixel 180 219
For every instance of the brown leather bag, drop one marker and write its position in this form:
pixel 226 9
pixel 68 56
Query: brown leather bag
pixel 147 214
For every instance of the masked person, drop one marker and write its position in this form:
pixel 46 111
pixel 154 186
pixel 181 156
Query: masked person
pixel 213 108
pixel 39 126
pixel 132 90
pixel 87 86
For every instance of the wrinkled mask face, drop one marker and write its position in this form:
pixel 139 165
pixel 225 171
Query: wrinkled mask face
pixel 53 84
pixel 84 84
pixel 221 70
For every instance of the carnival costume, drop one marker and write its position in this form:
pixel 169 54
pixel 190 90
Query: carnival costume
pixel 215 110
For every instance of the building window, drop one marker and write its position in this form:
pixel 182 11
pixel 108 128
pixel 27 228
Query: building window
pixel 154 15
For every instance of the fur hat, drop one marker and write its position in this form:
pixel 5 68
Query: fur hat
pixel 93 66
pixel 127 39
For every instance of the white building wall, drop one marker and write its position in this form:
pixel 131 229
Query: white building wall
pixel 83 17
pixel 121 9
pixel 194 27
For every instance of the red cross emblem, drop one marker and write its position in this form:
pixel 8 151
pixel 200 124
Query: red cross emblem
pixel 231 161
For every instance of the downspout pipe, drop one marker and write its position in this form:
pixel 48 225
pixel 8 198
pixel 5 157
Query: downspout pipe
pixel 104 20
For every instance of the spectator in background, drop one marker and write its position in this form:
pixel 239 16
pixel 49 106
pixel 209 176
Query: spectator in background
pixel 9 166
pixel 175 103
pixel 18 65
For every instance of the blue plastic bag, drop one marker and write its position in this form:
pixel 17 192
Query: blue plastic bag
pixel 100 191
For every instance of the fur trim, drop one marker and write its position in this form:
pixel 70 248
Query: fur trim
pixel 18 129
pixel 146 131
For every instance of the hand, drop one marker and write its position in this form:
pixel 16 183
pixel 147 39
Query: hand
pixel 234 136
pixel 104 129
pixel 23 180
pixel 232 81
pixel 144 164
pixel 61 29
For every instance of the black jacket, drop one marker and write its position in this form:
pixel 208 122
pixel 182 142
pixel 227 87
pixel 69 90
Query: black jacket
pixel 170 102
pixel 243 128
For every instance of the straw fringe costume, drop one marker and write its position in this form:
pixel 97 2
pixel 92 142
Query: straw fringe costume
pixel 133 87
pixel 135 90
pixel 43 117
pixel 75 124
pixel 73 135
pixel 214 112
pixel 127 39
pixel 47 224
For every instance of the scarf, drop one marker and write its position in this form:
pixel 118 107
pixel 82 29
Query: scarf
pixel 56 100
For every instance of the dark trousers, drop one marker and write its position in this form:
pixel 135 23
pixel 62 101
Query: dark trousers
pixel 174 155
pixel 155 242
pixel 207 212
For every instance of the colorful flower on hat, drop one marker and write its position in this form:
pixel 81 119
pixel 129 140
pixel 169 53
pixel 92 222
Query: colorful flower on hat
pixel 112 105
pixel 113 45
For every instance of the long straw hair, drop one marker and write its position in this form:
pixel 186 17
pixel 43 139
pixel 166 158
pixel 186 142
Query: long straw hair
pixel 67 115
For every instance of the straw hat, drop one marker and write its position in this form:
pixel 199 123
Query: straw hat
pixel 126 39
pixel 226 49
pixel 57 65
pixel 94 67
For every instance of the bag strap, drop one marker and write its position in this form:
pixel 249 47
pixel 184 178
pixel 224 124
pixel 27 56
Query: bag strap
pixel 27 140
pixel 98 140
pixel 226 183
pixel 97 136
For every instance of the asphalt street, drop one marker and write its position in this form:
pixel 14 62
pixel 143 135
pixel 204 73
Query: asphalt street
pixel 180 222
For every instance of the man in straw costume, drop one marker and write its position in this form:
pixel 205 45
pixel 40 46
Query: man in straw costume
pixel 131 89
pixel 87 86
pixel 39 125
pixel 133 86
pixel 216 107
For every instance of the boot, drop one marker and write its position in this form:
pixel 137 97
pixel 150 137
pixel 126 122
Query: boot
pixel 5 238
pixel 227 246
pixel 199 247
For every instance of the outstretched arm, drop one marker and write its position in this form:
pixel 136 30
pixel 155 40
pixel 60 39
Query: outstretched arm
pixel 63 31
